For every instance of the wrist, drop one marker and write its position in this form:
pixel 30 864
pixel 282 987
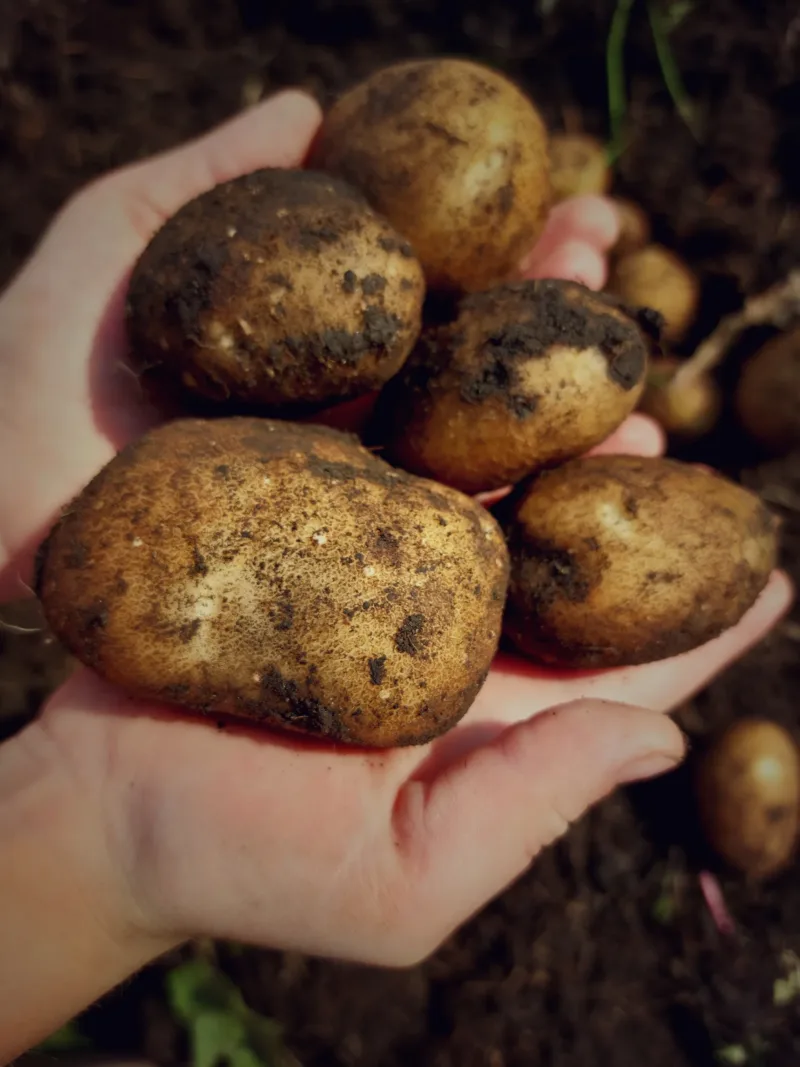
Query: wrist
pixel 68 929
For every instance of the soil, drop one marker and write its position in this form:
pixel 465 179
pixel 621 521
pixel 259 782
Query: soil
pixel 605 953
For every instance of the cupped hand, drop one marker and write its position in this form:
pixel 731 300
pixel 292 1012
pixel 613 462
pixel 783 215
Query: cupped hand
pixel 252 835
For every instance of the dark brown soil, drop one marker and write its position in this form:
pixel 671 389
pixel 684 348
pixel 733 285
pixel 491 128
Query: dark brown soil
pixel 605 953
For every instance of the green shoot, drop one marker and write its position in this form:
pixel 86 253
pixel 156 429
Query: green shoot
pixel 222 1028
pixel 615 76
pixel 661 25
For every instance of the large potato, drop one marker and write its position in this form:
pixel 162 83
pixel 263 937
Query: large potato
pixel 455 156
pixel 279 573
pixel 748 793
pixel 528 374
pixel 281 289
pixel 619 560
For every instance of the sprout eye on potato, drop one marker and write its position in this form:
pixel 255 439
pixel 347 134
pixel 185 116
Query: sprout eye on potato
pixel 618 560
pixel 527 374
pixel 748 793
pixel 282 574
pixel 455 156
pixel 281 290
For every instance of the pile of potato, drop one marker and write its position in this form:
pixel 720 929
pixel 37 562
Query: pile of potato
pixel 256 564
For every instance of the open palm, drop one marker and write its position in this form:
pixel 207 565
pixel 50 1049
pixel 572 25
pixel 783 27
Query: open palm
pixel 252 835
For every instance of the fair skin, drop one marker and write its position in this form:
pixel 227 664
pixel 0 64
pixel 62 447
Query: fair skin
pixel 127 828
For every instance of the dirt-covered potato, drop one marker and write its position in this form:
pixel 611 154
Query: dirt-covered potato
pixel 768 394
pixel 619 560
pixel 634 226
pixel 578 165
pixel 455 156
pixel 528 374
pixel 655 277
pixel 280 573
pixel 281 289
pixel 686 406
pixel 748 793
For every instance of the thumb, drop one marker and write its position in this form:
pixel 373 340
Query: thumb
pixel 463 836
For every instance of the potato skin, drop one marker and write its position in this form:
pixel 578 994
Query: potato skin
pixel 528 374
pixel 618 560
pixel 634 226
pixel 279 573
pixel 578 166
pixel 748 793
pixel 455 156
pixel 655 277
pixel 281 289
pixel 768 394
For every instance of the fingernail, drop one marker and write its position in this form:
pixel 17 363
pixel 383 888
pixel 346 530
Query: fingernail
pixel 649 766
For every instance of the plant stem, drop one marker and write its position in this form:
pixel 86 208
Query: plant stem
pixel 669 68
pixel 615 75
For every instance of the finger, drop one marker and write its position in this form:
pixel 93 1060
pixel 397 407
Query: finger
pixel 274 133
pixel 463 836
pixel 127 206
pixel 65 417
pixel 590 219
pixel 517 688
pixel 639 435
pixel 575 261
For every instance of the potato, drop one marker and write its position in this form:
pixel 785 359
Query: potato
pixel 634 226
pixel 281 290
pixel 655 277
pixel 619 560
pixel 528 374
pixel 686 407
pixel 748 792
pixel 279 573
pixel 578 165
pixel 455 156
pixel 768 394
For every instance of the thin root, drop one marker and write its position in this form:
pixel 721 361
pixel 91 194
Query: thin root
pixel 778 306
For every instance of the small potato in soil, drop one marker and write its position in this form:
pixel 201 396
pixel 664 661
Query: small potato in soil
pixel 768 394
pixel 634 226
pixel 283 574
pixel 655 277
pixel 578 165
pixel 618 560
pixel 280 290
pixel 528 374
pixel 455 156
pixel 748 793
pixel 687 406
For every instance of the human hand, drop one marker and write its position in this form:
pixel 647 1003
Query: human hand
pixel 155 826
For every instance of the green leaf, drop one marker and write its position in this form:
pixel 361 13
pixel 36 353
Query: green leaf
pixel 216 1037
pixel 197 987
pixel 66 1039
